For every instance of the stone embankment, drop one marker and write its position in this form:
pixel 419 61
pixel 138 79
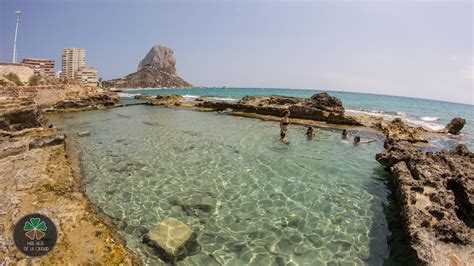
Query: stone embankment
pixel 436 194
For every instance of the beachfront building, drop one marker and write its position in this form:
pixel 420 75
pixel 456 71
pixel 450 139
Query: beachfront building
pixel 88 75
pixel 72 60
pixel 42 67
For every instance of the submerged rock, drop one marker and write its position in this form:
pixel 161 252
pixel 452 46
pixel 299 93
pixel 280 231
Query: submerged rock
pixel 196 205
pixel 83 133
pixel 172 239
pixel 436 193
pixel 293 220
pixel 455 125
pixel 320 107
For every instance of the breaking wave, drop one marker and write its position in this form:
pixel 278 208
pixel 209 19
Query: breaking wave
pixel 427 122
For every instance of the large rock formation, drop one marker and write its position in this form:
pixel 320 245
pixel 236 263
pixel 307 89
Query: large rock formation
pixel 156 70
pixel 436 193
pixel 320 107
pixel 159 57
pixel 455 125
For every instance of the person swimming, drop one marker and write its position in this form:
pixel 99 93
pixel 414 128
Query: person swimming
pixel 357 141
pixel 284 122
pixel 344 134
pixel 310 133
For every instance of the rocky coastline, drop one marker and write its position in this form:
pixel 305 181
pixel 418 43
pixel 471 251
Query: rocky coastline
pixel 435 190
pixel 39 173
pixel 436 194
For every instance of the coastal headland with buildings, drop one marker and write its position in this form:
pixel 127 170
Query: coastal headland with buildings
pixel 41 166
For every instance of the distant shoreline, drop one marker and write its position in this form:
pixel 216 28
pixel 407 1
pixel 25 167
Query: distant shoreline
pixel 316 90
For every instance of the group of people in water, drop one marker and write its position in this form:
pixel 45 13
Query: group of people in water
pixel 285 121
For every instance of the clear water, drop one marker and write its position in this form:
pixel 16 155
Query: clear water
pixel 305 203
pixel 427 113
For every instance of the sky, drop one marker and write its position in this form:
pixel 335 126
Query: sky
pixel 421 49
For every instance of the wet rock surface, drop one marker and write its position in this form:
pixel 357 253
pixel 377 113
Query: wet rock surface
pixel 172 239
pixel 320 107
pixel 455 125
pixel 436 193
pixel 83 133
pixel 398 131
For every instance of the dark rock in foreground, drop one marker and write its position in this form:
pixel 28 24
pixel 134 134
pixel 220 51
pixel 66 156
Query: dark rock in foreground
pixel 455 125
pixel 320 107
pixel 436 193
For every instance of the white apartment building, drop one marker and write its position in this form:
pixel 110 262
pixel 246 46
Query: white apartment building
pixel 72 60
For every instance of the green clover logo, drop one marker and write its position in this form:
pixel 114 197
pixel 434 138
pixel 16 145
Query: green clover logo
pixel 35 228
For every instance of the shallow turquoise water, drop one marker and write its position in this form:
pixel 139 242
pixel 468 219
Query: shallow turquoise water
pixel 306 203
pixel 427 113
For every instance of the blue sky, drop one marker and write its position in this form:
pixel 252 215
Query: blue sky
pixel 420 49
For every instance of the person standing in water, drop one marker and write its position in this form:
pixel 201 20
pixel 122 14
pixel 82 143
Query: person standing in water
pixel 284 122
pixel 310 133
pixel 344 134
pixel 357 141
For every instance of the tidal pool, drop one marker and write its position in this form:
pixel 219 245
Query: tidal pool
pixel 263 202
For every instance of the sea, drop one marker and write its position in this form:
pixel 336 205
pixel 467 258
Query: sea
pixel 429 114
pixel 307 202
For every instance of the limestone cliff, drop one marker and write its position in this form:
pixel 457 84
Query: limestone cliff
pixel 156 70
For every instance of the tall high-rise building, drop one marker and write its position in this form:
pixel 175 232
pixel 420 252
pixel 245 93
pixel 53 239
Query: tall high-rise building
pixel 72 60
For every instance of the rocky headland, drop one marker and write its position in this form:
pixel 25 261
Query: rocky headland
pixel 156 70
pixel 436 194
